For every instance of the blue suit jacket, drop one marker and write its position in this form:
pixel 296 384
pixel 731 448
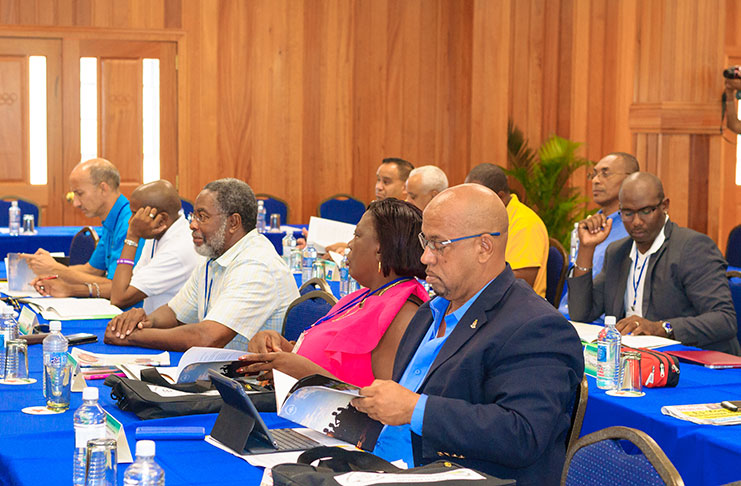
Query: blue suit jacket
pixel 502 387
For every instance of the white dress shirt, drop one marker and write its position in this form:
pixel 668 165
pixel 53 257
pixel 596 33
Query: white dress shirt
pixel 637 274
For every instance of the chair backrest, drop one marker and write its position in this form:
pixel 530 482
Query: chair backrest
pixel 577 413
pixel 82 246
pixel 314 284
pixel 187 207
pixel 734 282
pixel 556 269
pixel 27 207
pixel 342 207
pixel 274 205
pixel 305 311
pixel 733 247
pixel 602 458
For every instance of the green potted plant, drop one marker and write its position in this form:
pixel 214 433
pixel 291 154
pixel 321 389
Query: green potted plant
pixel 544 177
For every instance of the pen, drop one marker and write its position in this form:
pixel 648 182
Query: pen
pixel 733 407
pixel 50 277
pixel 103 376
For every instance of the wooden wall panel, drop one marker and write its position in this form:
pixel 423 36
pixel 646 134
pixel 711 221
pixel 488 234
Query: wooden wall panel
pixel 13 116
pixel 303 98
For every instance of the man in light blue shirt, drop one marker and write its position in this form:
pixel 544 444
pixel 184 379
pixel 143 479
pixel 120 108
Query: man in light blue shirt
pixel 607 176
pixel 486 372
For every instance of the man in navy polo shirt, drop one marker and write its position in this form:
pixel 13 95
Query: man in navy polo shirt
pixel 95 185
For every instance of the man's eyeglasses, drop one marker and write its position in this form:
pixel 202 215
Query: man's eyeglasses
pixel 201 217
pixel 604 174
pixel 439 246
pixel 643 212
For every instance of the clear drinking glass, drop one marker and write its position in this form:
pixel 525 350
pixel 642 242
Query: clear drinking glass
pixel 275 222
pixel 58 385
pixel 630 365
pixel 101 462
pixel 29 226
pixel 16 360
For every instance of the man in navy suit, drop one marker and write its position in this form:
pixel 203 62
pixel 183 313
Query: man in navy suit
pixel 487 372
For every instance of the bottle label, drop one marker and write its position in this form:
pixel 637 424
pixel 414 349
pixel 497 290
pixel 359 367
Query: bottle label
pixel 308 262
pixel 86 432
pixel 344 273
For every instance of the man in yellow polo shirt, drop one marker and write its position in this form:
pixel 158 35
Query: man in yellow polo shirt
pixel 527 243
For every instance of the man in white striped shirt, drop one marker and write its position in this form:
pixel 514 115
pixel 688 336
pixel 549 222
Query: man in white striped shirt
pixel 244 286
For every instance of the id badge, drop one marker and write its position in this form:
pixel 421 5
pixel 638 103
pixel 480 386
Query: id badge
pixel 298 342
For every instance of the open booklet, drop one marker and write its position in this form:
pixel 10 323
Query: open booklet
pixel 588 333
pixel 703 413
pixel 323 404
pixel 72 308
pixel 193 365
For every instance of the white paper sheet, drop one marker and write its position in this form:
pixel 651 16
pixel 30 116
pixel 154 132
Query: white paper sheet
pixel 325 232
pixel 590 332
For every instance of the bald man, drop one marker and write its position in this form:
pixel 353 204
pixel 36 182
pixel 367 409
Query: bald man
pixel 95 185
pixel 168 256
pixel 424 183
pixel 486 372
pixel 664 280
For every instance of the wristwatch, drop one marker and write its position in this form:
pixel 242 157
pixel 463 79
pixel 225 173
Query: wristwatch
pixel 668 329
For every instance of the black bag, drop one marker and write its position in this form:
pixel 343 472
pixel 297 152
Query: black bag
pixel 142 397
pixel 336 462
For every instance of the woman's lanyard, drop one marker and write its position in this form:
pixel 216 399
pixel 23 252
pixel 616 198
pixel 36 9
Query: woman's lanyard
pixel 358 299
pixel 636 284
pixel 207 289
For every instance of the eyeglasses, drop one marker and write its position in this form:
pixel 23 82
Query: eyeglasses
pixel 439 246
pixel 201 217
pixel 604 174
pixel 643 212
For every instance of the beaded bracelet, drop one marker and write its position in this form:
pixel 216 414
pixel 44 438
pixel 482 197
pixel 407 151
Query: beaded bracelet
pixel 125 261
pixel 583 269
pixel 97 289
pixel 131 243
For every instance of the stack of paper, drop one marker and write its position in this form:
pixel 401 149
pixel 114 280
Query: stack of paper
pixel 588 333
pixel 703 413
pixel 87 358
pixel 71 308
pixel 193 366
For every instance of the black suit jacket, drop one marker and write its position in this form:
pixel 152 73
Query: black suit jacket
pixel 502 386
pixel 685 285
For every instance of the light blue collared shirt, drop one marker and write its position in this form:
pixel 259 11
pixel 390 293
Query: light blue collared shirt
pixel 395 442
pixel 111 242
pixel 618 232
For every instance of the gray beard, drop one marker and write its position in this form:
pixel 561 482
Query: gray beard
pixel 214 246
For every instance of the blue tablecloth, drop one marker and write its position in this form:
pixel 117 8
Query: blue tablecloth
pixel 50 238
pixel 37 449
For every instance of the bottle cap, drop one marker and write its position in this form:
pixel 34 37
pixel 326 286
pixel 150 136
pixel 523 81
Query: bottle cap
pixel 610 320
pixel 55 326
pixel 145 448
pixel 14 203
pixel 90 393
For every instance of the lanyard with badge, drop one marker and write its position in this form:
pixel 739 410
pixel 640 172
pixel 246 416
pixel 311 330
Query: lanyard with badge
pixel 207 289
pixel 357 300
pixel 637 283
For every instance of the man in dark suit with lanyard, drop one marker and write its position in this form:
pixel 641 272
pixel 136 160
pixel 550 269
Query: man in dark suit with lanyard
pixel 486 372
pixel 663 280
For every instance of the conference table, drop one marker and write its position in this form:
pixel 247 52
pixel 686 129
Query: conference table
pixel 50 238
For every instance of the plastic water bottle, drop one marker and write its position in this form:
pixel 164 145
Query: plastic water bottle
pixel 344 275
pixel 307 266
pixel 574 247
pixel 55 355
pixel 144 471
pixel 89 423
pixel 608 356
pixel 14 219
pixel 261 215
pixel 288 242
pixel 295 257
pixel 8 331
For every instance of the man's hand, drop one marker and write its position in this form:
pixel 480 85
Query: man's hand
pixel 337 248
pixel 387 401
pixel 291 364
pixel 51 286
pixel 594 230
pixel 42 263
pixel 146 223
pixel 732 85
pixel 640 326
pixel 124 324
pixel 268 342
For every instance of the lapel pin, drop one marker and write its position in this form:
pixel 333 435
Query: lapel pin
pixel 473 324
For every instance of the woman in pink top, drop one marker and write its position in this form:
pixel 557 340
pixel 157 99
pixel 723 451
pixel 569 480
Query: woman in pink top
pixel 357 340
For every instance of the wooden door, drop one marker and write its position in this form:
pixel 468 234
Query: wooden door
pixel 730 201
pixel 15 150
pixel 120 110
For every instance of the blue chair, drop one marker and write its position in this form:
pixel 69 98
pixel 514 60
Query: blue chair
pixel 27 207
pixel 618 455
pixel 187 207
pixel 577 413
pixel 734 282
pixel 733 247
pixel 314 284
pixel 556 269
pixel 305 311
pixel 342 207
pixel 82 246
pixel 274 205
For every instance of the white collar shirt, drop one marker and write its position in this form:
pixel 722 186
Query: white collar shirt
pixel 637 275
